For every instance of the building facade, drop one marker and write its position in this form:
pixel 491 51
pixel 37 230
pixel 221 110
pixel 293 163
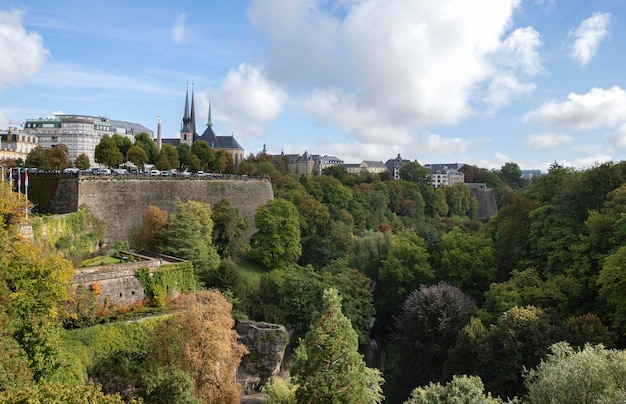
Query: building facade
pixel 445 174
pixel 80 133
pixel 16 144
pixel 394 166
pixel 366 166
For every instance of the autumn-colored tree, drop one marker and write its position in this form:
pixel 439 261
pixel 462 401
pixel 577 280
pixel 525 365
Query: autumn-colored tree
pixel 201 342
pixel 148 237
pixel 328 367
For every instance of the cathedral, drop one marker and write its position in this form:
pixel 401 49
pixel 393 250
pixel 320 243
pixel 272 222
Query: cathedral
pixel 188 133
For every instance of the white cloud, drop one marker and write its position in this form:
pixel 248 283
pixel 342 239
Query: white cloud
pixel 178 31
pixel 592 160
pixel 383 70
pixel 596 109
pixel 247 99
pixel 547 140
pixel 504 88
pixel 588 35
pixel 4 120
pixel 619 136
pixel 23 53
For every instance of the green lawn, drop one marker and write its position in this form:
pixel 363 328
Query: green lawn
pixel 251 273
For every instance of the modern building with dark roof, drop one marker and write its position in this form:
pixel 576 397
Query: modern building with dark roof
pixel 188 133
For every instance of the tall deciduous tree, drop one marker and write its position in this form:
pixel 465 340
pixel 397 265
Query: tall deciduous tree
pixel 107 152
pixel 137 156
pixel 276 244
pixel 148 237
pixel 123 143
pixel 184 154
pixel 189 236
pixel 144 141
pixel 169 153
pixel 228 229
pixel 203 151
pixel 328 367
pixel 82 161
pixel 201 342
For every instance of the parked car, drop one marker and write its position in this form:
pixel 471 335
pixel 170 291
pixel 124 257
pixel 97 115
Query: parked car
pixel 71 170
pixel 120 171
pixel 155 172
pixel 104 171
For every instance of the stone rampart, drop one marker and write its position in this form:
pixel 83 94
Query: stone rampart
pixel 487 205
pixel 118 281
pixel 121 201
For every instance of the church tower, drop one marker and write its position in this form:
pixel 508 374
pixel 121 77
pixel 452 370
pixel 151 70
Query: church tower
pixel 188 126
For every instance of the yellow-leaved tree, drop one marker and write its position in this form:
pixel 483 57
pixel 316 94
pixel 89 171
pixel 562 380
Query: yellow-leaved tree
pixel 201 342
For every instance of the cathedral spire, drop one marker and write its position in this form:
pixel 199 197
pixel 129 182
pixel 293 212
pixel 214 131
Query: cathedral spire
pixel 185 125
pixel 209 123
pixel 192 126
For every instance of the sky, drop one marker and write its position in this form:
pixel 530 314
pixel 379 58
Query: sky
pixel 481 82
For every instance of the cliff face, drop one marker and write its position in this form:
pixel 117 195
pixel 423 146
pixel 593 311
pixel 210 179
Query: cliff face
pixel 120 201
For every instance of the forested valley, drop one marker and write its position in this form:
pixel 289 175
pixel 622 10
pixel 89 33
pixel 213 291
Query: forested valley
pixel 392 290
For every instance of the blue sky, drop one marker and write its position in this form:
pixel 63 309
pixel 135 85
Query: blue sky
pixel 480 82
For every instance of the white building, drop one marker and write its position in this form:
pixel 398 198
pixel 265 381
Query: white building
pixel 80 133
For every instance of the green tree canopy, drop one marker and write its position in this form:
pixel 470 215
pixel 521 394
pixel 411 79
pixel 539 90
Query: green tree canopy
pixel 414 172
pixel 189 235
pixel 184 154
pixel 461 389
pixel 171 154
pixel 276 244
pixel 82 162
pixel 228 230
pixel 144 141
pixel 123 143
pixel 205 154
pixel 327 366
pixel 137 155
pixel 107 152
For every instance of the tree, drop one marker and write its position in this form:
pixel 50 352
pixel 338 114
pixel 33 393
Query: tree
pixel 404 269
pixel 327 366
pixel 58 157
pixel 184 154
pixel 137 156
pixel 107 152
pixel 203 151
pixel 167 385
pixel 512 175
pixel 611 281
pixel 59 393
pixel 591 375
pixel 228 230
pixel 276 244
pixel 82 162
pixel 144 141
pixel 414 172
pixel 461 389
pixel 123 144
pixel 431 318
pixel 458 199
pixel 148 237
pixel 189 235
pixel 169 152
pixel 37 157
pixel 466 261
pixel 201 342
pixel 440 205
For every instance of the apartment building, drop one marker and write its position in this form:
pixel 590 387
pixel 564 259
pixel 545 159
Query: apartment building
pixel 80 133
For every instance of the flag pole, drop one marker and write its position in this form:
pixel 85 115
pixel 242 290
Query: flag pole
pixel 26 190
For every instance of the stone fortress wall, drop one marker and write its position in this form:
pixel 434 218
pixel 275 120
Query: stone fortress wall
pixel 121 200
